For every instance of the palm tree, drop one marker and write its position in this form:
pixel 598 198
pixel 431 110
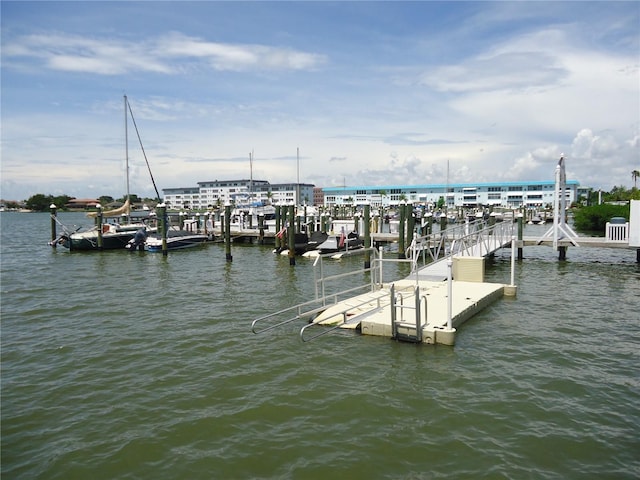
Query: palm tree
pixel 635 175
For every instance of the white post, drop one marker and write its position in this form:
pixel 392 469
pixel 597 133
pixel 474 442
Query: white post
pixel 513 260
pixel 556 208
pixel 449 293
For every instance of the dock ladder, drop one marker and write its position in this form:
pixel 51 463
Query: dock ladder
pixel 407 331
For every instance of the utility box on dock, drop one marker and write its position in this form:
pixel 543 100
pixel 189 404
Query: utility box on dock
pixel 634 224
pixel 468 269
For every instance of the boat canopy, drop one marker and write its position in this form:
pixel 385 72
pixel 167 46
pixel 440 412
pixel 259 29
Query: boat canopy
pixel 124 209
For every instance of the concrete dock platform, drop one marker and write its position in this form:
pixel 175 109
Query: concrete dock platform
pixel 371 312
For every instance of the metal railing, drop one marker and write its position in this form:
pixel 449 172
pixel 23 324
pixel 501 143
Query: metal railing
pixel 617 232
pixel 346 317
pixel 395 323
pixel 484 241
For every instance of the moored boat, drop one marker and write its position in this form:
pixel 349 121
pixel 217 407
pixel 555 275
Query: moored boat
pixel 338 243
pixel 177 239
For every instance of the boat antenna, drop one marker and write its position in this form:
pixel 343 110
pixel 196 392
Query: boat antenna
pixel 143 153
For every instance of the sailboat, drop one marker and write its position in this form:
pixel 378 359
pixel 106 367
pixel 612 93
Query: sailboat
pixel 108 235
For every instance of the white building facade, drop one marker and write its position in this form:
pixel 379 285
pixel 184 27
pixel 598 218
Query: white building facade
pixel 218 193
pixel 507 195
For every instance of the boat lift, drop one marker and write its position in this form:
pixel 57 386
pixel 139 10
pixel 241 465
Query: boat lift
pixel 560 230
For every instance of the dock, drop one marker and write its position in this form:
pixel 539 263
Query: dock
pixel 425 307
pixel 371 313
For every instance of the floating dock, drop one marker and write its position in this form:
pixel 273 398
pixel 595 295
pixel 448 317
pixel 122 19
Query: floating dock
pixel 428 305
pixel 371 313
pixel 425 307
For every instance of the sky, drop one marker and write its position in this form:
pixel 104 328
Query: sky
pixel 326 93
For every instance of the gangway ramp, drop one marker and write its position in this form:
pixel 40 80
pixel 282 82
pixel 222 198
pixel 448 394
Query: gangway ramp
pixel 481 243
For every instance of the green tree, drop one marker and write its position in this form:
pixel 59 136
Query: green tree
pixel 105 200
pixel 133 198
pixel 62 200
pixel 40 202
pixel 593 219
pixel 634 176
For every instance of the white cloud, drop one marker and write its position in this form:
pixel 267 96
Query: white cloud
pixel 115 56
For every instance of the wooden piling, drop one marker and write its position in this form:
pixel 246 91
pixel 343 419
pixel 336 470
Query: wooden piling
pixel 411 223
pixel 401 244
pixel 54 234
pixel 261 228
pixel 227 233
pixel 163 226
pixel 292 236
pixel 443 222
pixel 99 226
pixel 520 235
pixel 367 236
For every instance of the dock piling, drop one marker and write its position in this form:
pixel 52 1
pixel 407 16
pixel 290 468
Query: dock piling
pixel 511 289
pixel 292 236
pixel 227 233
pixel 99 225
pixel 401 230
pixel 520 235
pixel 367 235
pixel 54 234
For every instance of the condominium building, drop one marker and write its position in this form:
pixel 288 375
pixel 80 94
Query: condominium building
pixel 509 194
pixel 238 192
pixel 243 192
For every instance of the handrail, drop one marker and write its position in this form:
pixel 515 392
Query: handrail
pixel 473 243
pixel 320 280
pixel 300 314
pixel 402 307
pixel 338 325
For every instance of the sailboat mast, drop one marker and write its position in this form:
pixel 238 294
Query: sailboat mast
pixel 126 145
pixel 298 170
pixel 251 177
pixel 446 191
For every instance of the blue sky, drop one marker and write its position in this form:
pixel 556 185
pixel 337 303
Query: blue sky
pixel 372 93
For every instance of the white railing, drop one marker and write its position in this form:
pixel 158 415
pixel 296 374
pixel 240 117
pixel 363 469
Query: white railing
pixel 617 232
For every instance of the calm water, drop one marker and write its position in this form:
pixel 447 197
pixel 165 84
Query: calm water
pixel 119 365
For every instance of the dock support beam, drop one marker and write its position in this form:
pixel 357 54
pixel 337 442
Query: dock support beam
pixel 562 253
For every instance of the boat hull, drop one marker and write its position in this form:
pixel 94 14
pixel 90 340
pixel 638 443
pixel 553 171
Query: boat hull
pixel 177 240
pixel 89 241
